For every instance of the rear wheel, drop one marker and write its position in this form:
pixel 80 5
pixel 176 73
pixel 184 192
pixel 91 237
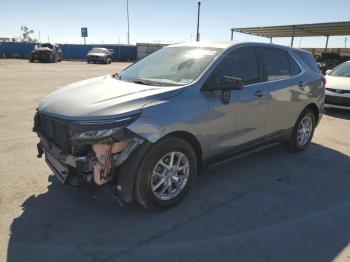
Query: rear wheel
pixel 165 174
pixel 303 131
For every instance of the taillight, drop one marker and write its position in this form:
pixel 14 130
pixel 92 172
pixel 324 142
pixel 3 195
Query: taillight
pixel 324 81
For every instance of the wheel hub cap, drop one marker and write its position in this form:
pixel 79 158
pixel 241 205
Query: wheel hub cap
pixel 170 175
pixel 304 130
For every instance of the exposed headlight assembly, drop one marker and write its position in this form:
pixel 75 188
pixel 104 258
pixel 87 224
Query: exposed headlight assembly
pixel 96 134
pixel 92 130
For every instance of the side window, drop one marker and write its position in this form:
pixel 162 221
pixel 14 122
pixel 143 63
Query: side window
pixel 294 68
pixel 241 63
pixel 275 63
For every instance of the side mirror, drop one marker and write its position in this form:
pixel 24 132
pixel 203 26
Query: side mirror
pixel 227 83
pixel 328 71
pixel 230 83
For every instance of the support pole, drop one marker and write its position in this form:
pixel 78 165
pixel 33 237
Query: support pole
pixel 270 40
pixel 325 49
pixel 231 34
pixel 127 14
pixel 292 40
pixel 199 10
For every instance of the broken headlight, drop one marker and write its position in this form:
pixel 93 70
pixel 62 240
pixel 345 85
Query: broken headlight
pixel 96 134
pixel 92 130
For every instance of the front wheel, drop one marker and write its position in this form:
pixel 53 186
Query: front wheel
pixel 303 131
pixel 165 174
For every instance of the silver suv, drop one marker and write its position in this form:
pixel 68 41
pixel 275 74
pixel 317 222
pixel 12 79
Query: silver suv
pixel 145 133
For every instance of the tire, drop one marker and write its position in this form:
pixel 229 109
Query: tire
pixel 148 186
pixel 299 142
pixel 31 60
pixel 88 61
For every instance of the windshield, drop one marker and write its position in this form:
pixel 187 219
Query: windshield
pixel 98 50
pixel 342 70
pixel 170 66
pixel 46 45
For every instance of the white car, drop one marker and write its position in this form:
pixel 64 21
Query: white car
pixel 338 87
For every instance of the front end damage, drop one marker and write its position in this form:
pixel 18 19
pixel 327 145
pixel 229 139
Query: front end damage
pixel 86 154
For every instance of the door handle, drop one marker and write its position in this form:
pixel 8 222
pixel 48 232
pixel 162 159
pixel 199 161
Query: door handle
pixel 301 84
pixel 259 93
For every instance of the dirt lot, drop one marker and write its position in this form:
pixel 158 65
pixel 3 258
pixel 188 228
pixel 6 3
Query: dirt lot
pixel 269 206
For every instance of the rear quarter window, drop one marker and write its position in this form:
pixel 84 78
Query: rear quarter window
pixel 294 68
pixel 308 59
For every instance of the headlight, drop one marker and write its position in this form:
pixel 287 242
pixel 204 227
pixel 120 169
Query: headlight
pixel 96 134
pixel 92 130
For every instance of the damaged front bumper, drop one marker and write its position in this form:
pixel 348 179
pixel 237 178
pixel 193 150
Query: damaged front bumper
pixel 81 153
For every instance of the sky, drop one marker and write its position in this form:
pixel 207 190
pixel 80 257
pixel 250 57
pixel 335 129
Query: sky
pixel 166 21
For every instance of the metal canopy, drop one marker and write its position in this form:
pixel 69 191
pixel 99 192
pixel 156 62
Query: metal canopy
pixel 302 30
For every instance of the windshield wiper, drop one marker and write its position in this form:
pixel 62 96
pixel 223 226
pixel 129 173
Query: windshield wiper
pixel 116 75
pixel 142 82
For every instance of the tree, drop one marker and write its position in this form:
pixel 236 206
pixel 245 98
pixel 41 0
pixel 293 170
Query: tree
pixel 26 36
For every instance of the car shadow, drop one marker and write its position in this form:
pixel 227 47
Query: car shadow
pixel 268 206
pixel 338 113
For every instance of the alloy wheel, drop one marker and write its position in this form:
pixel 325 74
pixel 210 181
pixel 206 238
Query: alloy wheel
pixel 170 175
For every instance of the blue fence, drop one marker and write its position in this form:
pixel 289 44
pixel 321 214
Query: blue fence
pixel 70 51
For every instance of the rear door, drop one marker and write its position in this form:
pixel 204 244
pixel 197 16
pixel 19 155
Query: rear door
pixel 286 87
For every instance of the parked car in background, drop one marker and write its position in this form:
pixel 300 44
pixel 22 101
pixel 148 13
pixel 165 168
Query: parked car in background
pixel 338 87
pixel 46 53
pixel 100 55
pixel 147 131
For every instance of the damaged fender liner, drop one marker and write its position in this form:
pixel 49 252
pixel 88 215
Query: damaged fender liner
pixel 126 172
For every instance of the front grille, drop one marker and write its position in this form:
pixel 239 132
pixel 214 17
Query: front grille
pixel 52 129
pixel 43 55
pixel 337 100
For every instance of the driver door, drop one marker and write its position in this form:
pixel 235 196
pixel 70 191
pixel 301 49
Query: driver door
pixel 243 120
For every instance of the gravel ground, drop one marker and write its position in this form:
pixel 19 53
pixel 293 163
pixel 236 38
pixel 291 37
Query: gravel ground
pixel 269 206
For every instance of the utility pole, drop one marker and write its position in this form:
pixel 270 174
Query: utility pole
pixel 199 10
pixel 345 41
pixel 127 14
pixel 39 37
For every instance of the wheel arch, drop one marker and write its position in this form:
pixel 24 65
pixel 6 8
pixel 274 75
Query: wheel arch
pixel 193 141
pixel 314 109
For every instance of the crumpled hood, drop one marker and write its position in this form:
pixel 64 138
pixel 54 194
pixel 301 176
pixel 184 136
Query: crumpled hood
pixel 102 97
pixel 42 49
pixel 334 82
pixel 96 54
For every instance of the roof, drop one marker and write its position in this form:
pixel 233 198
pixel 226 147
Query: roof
pixel 214 44
pixel 317 29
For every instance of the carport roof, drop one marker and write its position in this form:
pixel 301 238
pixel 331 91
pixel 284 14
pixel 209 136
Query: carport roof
pixel 301 30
